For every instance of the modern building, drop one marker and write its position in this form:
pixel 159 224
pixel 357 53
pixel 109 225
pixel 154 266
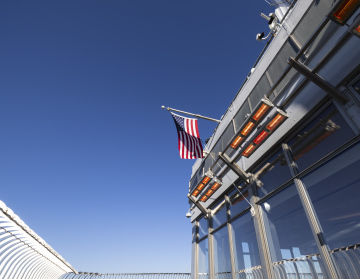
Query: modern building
pixel 277 194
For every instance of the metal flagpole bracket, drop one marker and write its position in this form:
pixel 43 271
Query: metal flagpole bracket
pixel 192 114
pixel 235 168
pixel 318 80
pixel 198 205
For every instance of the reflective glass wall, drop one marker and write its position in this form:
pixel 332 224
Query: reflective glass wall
pixel 307 218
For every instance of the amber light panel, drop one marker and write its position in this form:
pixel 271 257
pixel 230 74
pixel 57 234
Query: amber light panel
pixel 345 9
pixel 260 138
pixel 204 198
pixel 261 111
pixel 275 122
pixel 357 30
pixel 200 187
pixel 205 180
pixel 236 142
pixel 250 149
pixel 195 193
pixel 215 186
pixel 247 129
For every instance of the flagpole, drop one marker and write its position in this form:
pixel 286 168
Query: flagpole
pixel 196 115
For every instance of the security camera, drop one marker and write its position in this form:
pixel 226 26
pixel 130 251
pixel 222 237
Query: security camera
pixel 260 36
pixel 188 214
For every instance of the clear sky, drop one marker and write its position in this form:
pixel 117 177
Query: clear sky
pixel 88 159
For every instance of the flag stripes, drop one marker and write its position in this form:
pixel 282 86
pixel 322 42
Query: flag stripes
pixel 189 142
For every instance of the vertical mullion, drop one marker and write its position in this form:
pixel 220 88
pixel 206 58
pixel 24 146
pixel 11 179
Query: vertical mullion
pixel 311 216
pixel 229 227
pixel 264 251
pixel 196 264
pixel 211 247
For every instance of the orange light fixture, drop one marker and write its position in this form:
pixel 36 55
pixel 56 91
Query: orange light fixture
pixel 204 181
pixel 236 142
pixel 263 134
pixel 278 119
pixel 343 10
pixel 355 27
pixel 258 114
pixel 211 190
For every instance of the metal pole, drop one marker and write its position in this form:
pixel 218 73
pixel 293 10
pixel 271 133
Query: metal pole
pixel 196 115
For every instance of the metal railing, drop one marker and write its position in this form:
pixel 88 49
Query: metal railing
pixel 91 275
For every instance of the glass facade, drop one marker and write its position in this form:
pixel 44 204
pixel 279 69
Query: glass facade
pixel 307 220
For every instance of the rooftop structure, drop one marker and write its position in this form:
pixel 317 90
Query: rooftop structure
pixel 277 194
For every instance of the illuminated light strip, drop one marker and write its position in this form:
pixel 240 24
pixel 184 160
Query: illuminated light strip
pixel 212 190
pixel 248 128
pixel 262 110
pixel 205 181
pixel 249 150
pixel 344 10
pixel 259 113
pixel 263 134
pixel 355 27
pixel 236 142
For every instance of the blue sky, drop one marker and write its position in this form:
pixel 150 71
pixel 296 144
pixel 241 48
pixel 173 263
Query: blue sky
pixel 88 158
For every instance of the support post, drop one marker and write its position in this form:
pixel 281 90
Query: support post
pixel 198 205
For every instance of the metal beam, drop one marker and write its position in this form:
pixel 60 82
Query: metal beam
pixel 198 205
pixel 318 80
pixel 235 168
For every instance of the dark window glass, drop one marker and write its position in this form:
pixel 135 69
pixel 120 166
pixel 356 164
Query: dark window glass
pixel 324 134
pixel 220 216
pixel 240 116
pixel 272 174
pixel 290 237
pixel 238 202
pixel 356 86
pixel 222 262
pixel 334 189
pixel 246 251
pixel 259 91
pixel 203 261
pixel 203 227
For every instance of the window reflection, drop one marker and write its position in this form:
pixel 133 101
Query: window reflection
pixel 324 134
pixel 203 227
pixel 220 216
pixel 356 86
pixel 238 202
pixel 203 261
pixel 334 189
pixel 272 174
pixel 222 262
pixel 246 251
pixel 293 249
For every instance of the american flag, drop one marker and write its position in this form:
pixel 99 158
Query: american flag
pixel 189 142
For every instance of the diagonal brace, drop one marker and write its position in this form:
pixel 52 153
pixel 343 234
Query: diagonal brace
pixel 318 80
pixel 235 168
pixel 198 205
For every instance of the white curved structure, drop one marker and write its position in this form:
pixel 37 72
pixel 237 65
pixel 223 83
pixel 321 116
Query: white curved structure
pixel 23 254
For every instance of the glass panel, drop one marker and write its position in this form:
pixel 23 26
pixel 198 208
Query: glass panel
pixel 220 216
pixel 356 86
pixel 240 116
pixel 290 238
pixel 222 262
pixel 203 227
pixel 279 63
pixel 259 91
pixel 273 174
pixel 237 202
pixel 246 251
pixel 324 134
pixel 203 263
pixel 335 191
